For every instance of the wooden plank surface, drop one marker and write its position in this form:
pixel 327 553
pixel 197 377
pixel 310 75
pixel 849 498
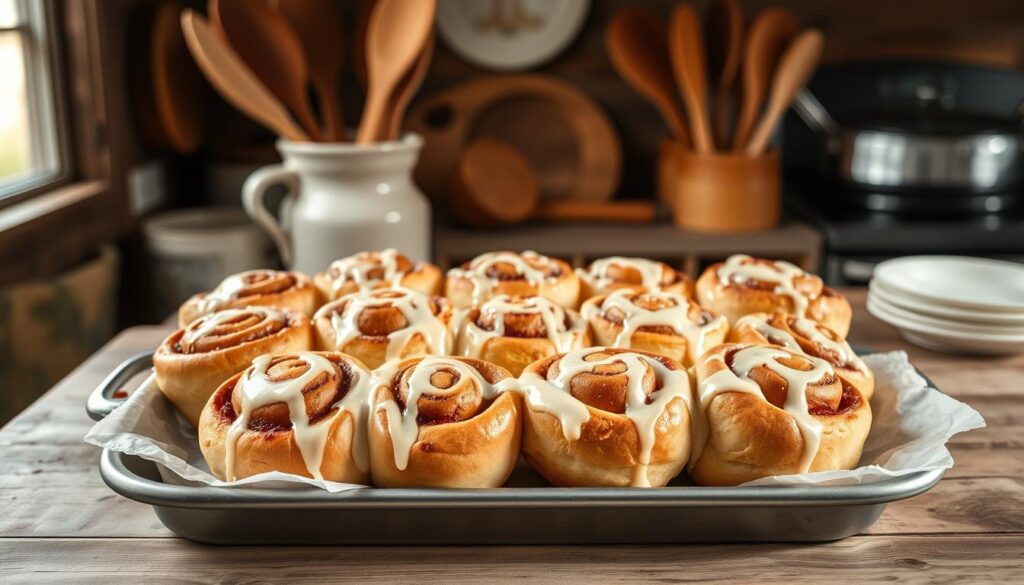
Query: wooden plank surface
pixel 58 516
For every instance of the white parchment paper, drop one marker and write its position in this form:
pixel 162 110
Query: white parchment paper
pixel 910 428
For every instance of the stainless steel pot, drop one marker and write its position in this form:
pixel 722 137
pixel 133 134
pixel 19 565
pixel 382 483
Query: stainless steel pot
pixel 930 150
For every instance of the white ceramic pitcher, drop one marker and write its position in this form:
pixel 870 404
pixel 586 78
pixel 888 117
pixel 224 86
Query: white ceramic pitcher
pixel 342 198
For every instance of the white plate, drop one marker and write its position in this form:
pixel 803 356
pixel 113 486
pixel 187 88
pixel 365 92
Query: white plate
pixel 510 35
pixel 957 281
pixel 966 316
pixel 944 340
pixel 1013 330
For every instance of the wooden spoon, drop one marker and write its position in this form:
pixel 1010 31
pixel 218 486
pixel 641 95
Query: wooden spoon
pixel 405 91
pixel 686 51
pixel 266 42
pixel 795 68
pixel 769 35
pixel 318 26
pixel 724 25
pixel 226 71
pixel 397 33
pixel 637 45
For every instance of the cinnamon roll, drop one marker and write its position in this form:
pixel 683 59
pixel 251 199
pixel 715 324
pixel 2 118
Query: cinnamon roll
pixel 443 422
pixel 608 274
pixel 371 270
pixel 302 414
pixel 513 332
pixel 771 411
pixel 192 362
pixel 508 273
pixel 606 417
pixel 664 323
pixel 742 285
pixel 264 288
pixel 810 337
pixel 384 324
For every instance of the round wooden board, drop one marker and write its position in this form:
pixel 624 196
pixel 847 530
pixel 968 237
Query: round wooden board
pixel 564 135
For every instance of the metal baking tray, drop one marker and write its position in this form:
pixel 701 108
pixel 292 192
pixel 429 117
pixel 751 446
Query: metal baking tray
pixel 526 512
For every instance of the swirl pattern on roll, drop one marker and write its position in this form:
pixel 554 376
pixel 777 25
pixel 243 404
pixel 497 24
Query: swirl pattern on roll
pixel 273 288
pixel 527 273
pixel 302 413
pixel 385 324
pixel 444 421
pixel 665 323
pixel 605 275
pixel 371 270
pixel 615 417
pixel 741 390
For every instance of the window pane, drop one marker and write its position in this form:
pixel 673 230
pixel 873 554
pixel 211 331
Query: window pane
pixel 8 13
pixel 15 148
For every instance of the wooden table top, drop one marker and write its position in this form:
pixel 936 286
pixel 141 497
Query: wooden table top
pixel 58 516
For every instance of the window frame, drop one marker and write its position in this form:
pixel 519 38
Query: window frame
pixel 47 103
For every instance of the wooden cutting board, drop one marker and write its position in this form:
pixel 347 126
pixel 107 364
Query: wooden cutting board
pixel 563 134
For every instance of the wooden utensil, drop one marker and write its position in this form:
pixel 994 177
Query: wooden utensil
pixel 493 185
pixel 169 96
pixel 686 51
pixel 266 43
pixel 405 91
pixel 637 45
pixel 795 68
pixel 395 37
pixel 318 26
pixel 597 211
pixel 724 37
pixel 233 79
pixel 569 141
pixel 768 36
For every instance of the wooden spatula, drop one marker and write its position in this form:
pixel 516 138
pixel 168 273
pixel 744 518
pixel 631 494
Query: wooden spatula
pixel 686 51
pixel 724 25
pixel 267 44
pixel 230 76
pixel 318 26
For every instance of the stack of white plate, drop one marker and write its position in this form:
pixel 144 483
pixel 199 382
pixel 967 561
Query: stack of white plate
pixel 952 303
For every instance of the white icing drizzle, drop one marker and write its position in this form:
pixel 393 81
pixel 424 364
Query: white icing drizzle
pixel 207 324
pixel 677 317
pixel 737 379
pixel 809 329
pixel 652 273
pixel 414 306
pixel 402 425
pixel 357 268
pixel 228 290
pixel 553 397
pixel 258 390
pixel 472 338
pixel 740 268
pixel 483 285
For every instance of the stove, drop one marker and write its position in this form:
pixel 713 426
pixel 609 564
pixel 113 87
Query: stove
pixel 856 239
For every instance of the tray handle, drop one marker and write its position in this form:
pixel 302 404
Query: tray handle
pixel 103 401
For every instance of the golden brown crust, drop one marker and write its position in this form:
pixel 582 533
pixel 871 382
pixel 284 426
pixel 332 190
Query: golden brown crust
pixel 263 288
pixel 190 364
pixel 343 277
pixel 622 274
pixel 559 283
pixel 751 437
pixel 758 328
pixel 512 332
pixel 269 444
pixel 370 342
pixel 736 299
pixel 463 440
pixel 608 450
pixel 672 337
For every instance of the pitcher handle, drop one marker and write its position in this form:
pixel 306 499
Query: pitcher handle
pixel 253 193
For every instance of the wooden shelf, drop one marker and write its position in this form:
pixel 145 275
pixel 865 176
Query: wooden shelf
pixel 580 243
